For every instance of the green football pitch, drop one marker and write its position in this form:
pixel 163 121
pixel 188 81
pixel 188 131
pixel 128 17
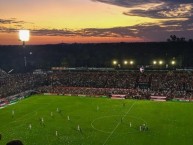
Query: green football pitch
pixel 72 120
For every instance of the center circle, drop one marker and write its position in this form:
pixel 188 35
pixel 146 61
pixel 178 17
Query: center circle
pixel 127 124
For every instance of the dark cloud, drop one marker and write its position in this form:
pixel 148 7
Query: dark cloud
pixel 89 32
pixel 156 9
pixel 127 3
pixel 53 32
pixel 164 11
pixel 11 21
pixel 7 30
pixel 131 3
pixel 178 1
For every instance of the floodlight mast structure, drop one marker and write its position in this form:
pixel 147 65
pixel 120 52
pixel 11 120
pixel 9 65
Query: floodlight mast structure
pixel 25 60
pixel 24 36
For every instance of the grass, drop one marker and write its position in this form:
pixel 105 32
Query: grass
pixel 102 121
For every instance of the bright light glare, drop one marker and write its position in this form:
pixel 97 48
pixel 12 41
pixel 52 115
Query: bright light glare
pixel 24 35
pixel 114 62
pixel 131 62
pixel 154 62
pixel 173 62
pixel 160 62
pixel 125 62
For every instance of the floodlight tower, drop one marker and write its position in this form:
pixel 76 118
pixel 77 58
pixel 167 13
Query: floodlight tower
pixel 24 36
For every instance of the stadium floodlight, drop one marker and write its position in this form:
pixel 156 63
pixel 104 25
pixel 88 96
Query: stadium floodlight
pixel 154 62
pixel 24 36
pixel 131 62
pixel 115 62
pixel 125 62
pixel 173 62
pixel 160 62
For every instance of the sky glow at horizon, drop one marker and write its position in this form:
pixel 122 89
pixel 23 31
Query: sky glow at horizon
pixel 95 21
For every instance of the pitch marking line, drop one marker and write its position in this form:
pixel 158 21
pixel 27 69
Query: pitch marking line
pixel 118 124
pixel 99 119
pixel 108 132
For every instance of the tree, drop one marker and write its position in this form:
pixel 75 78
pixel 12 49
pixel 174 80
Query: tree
pixel 174 38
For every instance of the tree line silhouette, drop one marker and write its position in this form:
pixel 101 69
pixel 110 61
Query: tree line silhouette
pixel 174 38
pixel 94 55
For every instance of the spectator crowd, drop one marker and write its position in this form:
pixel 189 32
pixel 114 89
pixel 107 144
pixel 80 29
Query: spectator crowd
pixel 17 83
pixel 172 84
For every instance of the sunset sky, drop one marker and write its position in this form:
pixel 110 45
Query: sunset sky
pixel 88 21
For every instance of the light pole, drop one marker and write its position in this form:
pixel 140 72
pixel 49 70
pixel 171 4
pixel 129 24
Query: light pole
pixel 24 36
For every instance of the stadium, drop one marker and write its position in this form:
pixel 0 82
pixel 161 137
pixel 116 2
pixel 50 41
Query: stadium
pixel 97 106
pixel 96 72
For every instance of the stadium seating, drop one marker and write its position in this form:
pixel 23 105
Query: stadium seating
pixel 132 84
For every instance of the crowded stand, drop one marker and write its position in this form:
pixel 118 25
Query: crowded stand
pixel 132 84
pixel 17 83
